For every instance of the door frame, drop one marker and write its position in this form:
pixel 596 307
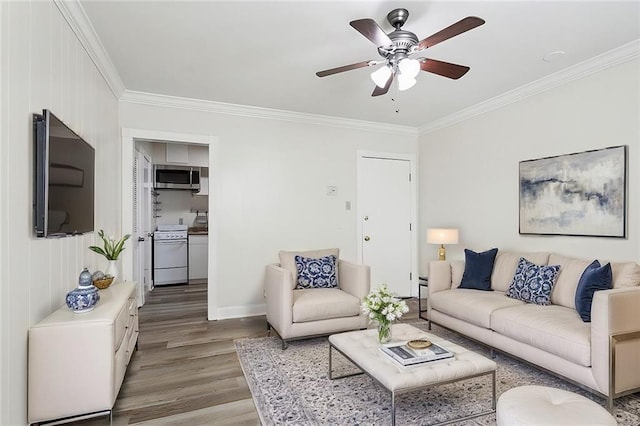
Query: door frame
pixel 361 155
pixel 129 138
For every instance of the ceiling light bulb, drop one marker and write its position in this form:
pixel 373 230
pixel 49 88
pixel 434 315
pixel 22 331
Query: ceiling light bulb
pixel 409 67
pixel 405 82
pixel 381 76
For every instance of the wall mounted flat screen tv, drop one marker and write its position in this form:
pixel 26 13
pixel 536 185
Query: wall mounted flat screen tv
pixel 64 184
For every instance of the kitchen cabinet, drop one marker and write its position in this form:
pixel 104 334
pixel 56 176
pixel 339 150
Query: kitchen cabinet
pixel 177 153
pixel 198 257
pixel 204 186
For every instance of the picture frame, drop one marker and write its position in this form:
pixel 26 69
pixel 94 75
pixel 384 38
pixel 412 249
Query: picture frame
pixel 579 194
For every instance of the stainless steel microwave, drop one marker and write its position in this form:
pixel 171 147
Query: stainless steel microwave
pixel 167 176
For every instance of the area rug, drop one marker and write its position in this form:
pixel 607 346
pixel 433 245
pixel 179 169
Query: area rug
pixel 291 387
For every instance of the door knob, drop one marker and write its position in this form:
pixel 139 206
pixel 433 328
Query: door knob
pixel 140 239
pixel 367 238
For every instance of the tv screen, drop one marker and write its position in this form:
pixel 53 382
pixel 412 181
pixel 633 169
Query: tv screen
pixel 64 179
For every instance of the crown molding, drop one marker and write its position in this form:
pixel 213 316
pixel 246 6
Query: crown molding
pixel 78 20
pixel 624 53
pixel 166 101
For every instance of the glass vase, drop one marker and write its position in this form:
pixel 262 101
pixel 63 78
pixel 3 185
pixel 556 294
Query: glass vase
pixel 384 332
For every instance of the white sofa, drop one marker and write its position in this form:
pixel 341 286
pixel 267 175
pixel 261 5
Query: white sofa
pixel 554 336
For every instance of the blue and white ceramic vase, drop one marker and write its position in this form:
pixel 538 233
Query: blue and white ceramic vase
pixel 84 298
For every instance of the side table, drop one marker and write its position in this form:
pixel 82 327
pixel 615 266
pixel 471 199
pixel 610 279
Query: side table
pixel 422 284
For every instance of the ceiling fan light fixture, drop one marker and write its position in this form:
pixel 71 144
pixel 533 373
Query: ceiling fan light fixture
pixel 409 67
pixel 405 82
pixel 381 75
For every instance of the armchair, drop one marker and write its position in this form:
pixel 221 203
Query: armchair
pixel 303 313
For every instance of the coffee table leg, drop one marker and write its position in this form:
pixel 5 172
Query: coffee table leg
pixel 330 368
pixel 393 408
pixel 493 401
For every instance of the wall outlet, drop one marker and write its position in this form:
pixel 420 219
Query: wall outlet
pixel 347 205
pixel 180 221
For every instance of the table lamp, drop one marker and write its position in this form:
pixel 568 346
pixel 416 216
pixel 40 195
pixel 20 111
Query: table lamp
pixel 442 236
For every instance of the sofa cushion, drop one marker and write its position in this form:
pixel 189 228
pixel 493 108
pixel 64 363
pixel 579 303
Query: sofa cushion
pixel 571 269
pixel 504 267
pixel 625 274
pixel 594 278
pixel 474 306
pixel 554 329
pixel 457 269
pixel 533 283
pixel 288 262
pixel 477 269
pixel 316 273
pixel 323 303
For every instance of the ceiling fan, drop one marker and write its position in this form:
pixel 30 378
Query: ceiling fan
pixel 398 45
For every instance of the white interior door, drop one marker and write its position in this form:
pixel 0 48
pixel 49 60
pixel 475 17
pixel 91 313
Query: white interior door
pixel 385 212
pixel 143 210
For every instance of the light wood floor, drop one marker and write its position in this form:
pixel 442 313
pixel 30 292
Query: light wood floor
pixel 186 370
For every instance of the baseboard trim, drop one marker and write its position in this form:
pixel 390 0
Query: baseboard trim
pixel 241 311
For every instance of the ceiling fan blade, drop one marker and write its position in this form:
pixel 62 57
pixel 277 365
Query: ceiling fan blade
pixel 466 24
pixel 345 68
pixel 382 90
pixel 445 69
pixel 371 30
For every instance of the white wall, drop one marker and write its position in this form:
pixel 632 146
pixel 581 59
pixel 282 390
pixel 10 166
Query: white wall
pixel 178 205
pixel 269 182
pixel 44 66
pixel 469 171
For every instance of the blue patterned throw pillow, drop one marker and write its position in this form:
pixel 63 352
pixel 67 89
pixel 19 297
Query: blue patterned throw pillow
pixel 316 273
pixel 533 283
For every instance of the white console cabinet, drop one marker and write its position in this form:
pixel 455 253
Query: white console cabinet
pixel 77 362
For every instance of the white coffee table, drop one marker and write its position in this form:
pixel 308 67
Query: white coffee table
pixel 363 350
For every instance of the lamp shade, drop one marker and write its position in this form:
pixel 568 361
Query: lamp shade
pixel 381 75
pixel 405 82
pixel 409 67
pixel 442 236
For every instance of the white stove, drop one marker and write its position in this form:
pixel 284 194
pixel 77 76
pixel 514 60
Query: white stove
pixel 171 232
pixel 170 255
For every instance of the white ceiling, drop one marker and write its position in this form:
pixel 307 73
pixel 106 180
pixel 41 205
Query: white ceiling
pixel 266 53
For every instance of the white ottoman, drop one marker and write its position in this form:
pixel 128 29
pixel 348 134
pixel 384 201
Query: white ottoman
pixel 540 405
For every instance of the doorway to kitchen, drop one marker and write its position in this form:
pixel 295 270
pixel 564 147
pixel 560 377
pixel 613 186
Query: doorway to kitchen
pixel 153 141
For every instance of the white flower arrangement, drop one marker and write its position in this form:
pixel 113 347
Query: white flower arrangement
pixel 381 306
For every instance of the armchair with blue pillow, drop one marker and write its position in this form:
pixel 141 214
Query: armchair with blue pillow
pixel 315 293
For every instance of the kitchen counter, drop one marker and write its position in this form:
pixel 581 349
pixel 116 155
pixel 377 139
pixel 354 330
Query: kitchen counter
pixel 198 230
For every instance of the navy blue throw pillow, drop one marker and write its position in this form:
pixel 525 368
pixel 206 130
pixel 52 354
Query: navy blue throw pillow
pixel 478 268
pixel 594 278
pixel 316 273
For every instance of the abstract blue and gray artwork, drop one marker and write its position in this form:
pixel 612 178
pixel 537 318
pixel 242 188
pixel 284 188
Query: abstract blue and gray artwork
pixel 575 194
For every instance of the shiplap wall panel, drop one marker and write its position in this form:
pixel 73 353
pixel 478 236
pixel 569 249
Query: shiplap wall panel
pixel 4 240
pixel 19 197
pixel 44 66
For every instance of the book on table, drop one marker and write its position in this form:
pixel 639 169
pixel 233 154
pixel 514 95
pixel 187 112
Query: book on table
pixel 405 355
